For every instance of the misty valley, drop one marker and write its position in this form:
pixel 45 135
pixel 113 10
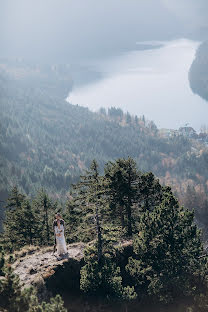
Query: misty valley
pixel 104 156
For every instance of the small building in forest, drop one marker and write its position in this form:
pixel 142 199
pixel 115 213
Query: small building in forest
pixel 188 132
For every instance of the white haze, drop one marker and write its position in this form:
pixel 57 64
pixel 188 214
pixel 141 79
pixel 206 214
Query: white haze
pixel 194 13
pixel 71 30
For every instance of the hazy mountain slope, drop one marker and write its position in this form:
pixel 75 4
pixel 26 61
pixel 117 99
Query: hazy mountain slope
pixel 49 139
pixel 198 75
pixel 46 142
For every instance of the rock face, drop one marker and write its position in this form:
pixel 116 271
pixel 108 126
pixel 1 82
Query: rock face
pixel 46 271
pixel 50 274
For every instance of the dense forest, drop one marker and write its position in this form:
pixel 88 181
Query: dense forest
pixel 199 70
pixel 167 264
pixel 45 142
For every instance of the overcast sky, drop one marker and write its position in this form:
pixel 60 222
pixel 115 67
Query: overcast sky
pixel 194 13
pixel 64 30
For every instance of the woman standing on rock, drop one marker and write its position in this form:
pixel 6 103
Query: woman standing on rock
pixel 59 235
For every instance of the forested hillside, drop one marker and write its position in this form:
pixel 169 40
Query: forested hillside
pixel 47 142
pixel 141 248
pixel 198 75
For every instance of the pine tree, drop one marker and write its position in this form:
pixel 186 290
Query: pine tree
pixel 11 291
pixel 44 210
pixel 29 222
pixel 13 217
pixel 20 223
pixel 128 118
pixel 166 262
pixel 150 192
pixel 122 177
pixel 103 277
pixel 11 297
pixel 88 194
pixel 56 304
pixel 73 219
pixel 144 120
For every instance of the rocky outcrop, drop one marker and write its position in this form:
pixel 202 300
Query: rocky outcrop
pixel 47 272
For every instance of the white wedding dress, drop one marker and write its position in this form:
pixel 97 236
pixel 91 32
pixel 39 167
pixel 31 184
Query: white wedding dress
pixel 60 240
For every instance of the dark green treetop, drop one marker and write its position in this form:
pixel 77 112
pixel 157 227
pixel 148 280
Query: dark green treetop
pixel 166 262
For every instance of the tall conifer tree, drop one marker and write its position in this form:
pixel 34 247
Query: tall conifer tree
pixel 13 217
pixel 167 251
pixel 89 194
pixel 121 180
pixel 44 210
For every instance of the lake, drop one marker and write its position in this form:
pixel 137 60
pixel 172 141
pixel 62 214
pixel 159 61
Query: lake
pixel 152 82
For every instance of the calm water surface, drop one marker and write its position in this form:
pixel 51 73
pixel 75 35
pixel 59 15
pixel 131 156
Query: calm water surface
pixel 151 82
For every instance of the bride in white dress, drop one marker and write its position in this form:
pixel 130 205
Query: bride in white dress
pixel 60 239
